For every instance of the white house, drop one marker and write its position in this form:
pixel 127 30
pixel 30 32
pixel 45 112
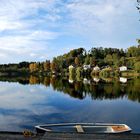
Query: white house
pixel 86 67
pixel 96 68
pixel 123 68
pixel 123 80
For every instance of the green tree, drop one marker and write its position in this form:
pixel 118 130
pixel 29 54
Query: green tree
pixel 137 66
pixel 122 61
pixel 138 5
pixel 92 61
pixel 115 59
pixel 108 59
pixel 133 51
pixel 78 71
pixel 138 40
pixel 87 60
pixel 77 61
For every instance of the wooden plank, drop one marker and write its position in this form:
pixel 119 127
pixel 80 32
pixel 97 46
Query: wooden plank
pixel 79 129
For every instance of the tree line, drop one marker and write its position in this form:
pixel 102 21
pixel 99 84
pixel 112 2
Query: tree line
pixel 78 89
pixel 100 56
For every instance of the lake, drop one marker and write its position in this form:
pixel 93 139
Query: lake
pixel 26 102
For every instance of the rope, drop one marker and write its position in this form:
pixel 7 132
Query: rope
pixel 28 133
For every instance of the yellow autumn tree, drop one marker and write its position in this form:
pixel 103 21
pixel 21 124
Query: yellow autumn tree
pixel 33 67
pixel 46 66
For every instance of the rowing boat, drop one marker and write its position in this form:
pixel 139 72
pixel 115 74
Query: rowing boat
pixel 83 128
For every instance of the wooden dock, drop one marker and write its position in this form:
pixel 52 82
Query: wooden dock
pixel 69 136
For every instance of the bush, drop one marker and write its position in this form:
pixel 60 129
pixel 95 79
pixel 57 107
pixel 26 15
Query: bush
pixel 137 66
pixel 107 72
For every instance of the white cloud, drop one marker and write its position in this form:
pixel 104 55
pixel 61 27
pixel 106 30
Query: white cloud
pixel 104 22
pixel 24 30
pixel 99 14
pixel 30 27
pixel 27 42
pixel 20 104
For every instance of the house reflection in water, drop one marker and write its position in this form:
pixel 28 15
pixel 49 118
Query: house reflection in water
pixel 86 81
pixel 123 80
pixel 96 79
pixel 71 81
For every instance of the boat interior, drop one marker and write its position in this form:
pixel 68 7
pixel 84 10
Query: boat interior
pixel 87 128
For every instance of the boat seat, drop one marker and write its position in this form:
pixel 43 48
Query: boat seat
pixel 79 129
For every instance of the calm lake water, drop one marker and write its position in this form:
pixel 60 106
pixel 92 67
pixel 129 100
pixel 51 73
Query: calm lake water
pixel 26 102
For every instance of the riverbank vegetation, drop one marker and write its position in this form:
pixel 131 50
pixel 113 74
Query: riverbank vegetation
pixel 106 62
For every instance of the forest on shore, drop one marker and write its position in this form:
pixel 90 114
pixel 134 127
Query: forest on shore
pixel 107 59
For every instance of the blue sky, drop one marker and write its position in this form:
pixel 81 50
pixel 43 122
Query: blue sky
pixel 36 30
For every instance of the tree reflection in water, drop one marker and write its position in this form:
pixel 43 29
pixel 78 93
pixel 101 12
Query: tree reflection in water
pixel 104 89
